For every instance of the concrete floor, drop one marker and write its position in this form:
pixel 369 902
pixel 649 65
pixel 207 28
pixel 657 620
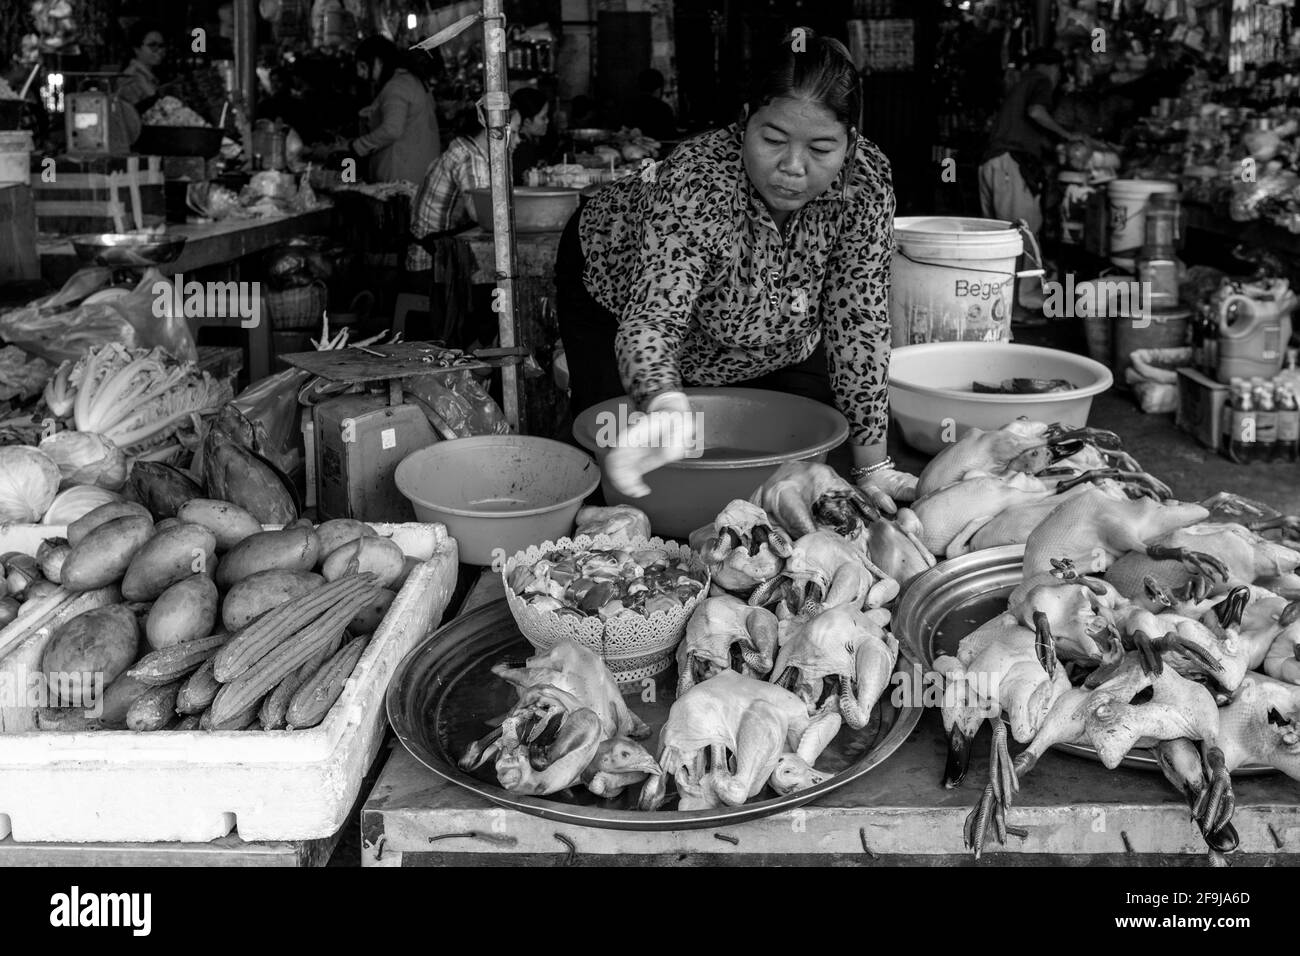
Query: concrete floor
pixel 1193 471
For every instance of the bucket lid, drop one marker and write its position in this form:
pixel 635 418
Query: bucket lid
pixel 937 236
pixel 1142 187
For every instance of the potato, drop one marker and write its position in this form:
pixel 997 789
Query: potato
pixel 186 611
pixel 118 697
pixel 166 523
pixel 105 512
pixel 380 556
pixel 338 532
pixel 409 565
pixel 102 642
pixel 103 555
pixel 290 549
pixel 230 523
pixel 168 557
pixel 258 593
pixel 369 617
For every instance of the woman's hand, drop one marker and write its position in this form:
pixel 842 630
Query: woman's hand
pixel 888 486
pixel 664 435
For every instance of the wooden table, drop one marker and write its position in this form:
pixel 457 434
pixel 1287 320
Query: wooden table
pixel 214 251
pixel 1075 812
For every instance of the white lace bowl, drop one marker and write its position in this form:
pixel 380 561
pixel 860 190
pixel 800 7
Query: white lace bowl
pixel 632 645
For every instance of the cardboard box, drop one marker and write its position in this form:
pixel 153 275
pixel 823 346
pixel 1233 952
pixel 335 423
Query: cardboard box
pixel 1202 403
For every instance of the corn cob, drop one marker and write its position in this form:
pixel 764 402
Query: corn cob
pixel 175 662
pixel 313 700
pixel 263 635
pixel 258 681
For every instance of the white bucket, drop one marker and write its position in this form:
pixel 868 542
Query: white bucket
pixel 15 156
pixel 1128 219
pixel 954 279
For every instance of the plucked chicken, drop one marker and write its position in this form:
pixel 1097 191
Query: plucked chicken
pixel 725 633
pixel 728 737
pixel 569 706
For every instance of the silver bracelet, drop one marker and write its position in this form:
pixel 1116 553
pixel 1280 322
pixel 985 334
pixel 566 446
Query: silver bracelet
pixel 857 474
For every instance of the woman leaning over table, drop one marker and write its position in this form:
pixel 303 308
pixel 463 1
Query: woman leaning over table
pixel 757 255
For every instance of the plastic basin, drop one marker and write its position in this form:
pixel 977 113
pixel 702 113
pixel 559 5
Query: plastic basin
pixel 932 402
pixel 495 492
pixel 746 435
pixel 537 208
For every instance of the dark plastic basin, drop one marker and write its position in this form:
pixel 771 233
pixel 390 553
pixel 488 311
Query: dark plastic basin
pixel 747 434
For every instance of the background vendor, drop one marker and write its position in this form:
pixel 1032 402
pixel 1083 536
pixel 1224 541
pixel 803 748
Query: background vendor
pixel 140 85
pixel 756 255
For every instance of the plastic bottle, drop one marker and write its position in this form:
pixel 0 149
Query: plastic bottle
pixel 1288 423
pixel 1242 425
pixel 1265 420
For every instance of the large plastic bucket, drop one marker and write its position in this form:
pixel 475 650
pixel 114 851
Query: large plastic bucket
pixel 15 156
pixel 954 279
pixel 1128 206
pixel 1155 330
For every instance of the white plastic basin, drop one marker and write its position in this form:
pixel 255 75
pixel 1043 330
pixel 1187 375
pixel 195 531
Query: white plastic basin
pixel 932 401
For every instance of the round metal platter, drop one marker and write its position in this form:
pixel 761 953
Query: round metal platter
pixel 444 693
pixel 955 597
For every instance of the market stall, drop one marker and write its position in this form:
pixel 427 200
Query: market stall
pixel 865 570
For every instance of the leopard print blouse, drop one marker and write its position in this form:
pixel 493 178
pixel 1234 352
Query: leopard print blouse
pixel 709 292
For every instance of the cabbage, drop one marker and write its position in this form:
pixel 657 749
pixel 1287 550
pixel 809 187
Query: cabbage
pixel 85 458
pixel 77 501
pixel 29 480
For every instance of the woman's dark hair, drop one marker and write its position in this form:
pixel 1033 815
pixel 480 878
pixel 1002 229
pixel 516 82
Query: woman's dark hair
pixel 385 51
pixel 426 65
pixel 528 101
pixel 812 67
pixel 140 31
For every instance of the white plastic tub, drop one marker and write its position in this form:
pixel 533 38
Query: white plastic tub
pixel 931 397
pixel 198 786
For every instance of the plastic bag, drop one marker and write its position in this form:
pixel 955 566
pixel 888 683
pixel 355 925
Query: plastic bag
pixel 461 407
pixel 58 329
pixel 272 417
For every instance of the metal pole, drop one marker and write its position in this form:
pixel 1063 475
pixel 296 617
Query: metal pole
pixel 497 107
pixel 246 59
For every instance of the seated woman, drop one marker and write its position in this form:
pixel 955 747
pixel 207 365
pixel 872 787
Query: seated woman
pixel 442 207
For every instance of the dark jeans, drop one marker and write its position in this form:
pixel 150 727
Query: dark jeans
pixel 588 330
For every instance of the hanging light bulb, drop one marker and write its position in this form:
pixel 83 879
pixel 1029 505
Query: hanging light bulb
pixel 411 21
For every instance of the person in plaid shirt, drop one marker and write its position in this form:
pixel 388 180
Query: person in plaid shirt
pixel 442 205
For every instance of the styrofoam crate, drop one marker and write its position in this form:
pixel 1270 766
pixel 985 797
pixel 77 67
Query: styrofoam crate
pixel 198 786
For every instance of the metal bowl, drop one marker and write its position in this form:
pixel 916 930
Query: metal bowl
pixel 952 599
pixel 444 692
pixel 127 249
pixel 537 208
pixel 590 134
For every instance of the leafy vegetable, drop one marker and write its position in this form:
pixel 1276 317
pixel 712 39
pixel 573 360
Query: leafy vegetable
pixel 77 501
pixel 139 398
pixel 85 458
pixel 29 481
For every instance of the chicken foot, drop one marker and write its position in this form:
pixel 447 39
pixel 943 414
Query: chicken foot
pixel 1180 761
pixel 1146 486
pixel 1197 562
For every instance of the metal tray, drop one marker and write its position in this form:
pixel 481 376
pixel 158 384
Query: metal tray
pixel 444 692
pixel 950 600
